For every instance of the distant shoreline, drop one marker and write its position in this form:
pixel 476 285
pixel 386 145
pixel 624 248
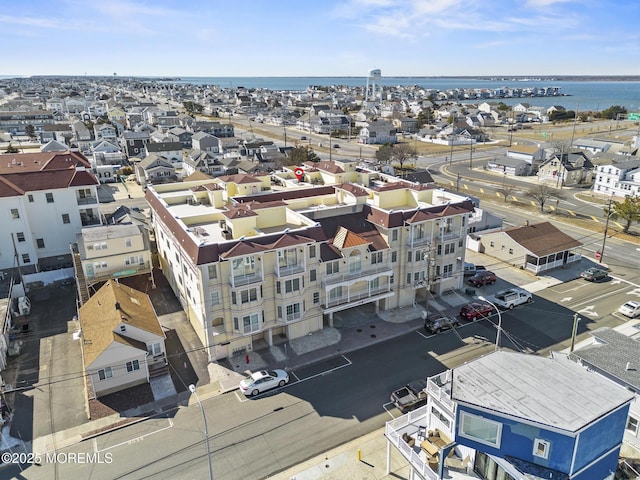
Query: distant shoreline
pixel 494 78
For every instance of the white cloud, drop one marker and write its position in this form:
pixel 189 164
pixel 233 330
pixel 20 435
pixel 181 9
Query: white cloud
pixel 32 22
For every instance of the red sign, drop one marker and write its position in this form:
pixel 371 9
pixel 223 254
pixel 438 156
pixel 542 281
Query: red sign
pixel 299 173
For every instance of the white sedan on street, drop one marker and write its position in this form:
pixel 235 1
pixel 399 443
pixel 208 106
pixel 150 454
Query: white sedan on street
pixel 630 309
pixel 258 382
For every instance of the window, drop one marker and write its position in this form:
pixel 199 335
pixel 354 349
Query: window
pixel 394 235
pixel 632 425
pixel 287 258
pixel 65 218
pixel 408 279
pixel 335 293
pixel 249 295
pixel 394 257
pixel 333 267
pixel 105 373
pixel 440 416
pixel 447 271
pixel 30 198
pixel 250 323
pixel 242 267
pixel 312 275
pixel 136 259
pixel 449 248
pixel 49 197
pixel 355 262
pixel 409 257
pixel 541 448
pixel 480 429
pixel 154 349
pixel 376 257
pixel 127 242
pixel 15 213
pixel 40 242
pixel 132 366
pixel 20 236
pixel 213 272
pixel 215 298
pixel 293 312
pixel 312 251
pixel 316 298
pixel 292 285
pixel 25 258
pixel 439 251
pixel 374 284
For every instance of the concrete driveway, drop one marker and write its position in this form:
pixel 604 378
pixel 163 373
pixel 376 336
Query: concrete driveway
pixel 49 373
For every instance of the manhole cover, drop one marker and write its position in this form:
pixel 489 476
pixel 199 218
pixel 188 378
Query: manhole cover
pixel 359 330
pixel 372 326
pixel 373 336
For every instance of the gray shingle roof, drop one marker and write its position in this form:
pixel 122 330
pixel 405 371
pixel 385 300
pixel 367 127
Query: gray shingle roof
pixel 610 354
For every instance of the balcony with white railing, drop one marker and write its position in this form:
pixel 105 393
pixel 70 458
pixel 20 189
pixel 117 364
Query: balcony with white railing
pixel 96 275
pixel 358 297
pixel 287 270
pixel 367 273
pixel 246 279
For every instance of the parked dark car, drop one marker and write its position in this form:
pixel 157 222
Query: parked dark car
pixel 476 310
pixel 482 278
pixel 436 325
pixel 594 274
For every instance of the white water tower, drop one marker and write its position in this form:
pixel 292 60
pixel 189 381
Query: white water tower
pixel 374 90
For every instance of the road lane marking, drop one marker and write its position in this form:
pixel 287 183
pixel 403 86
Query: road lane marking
pixel 135 439
pixel 589 311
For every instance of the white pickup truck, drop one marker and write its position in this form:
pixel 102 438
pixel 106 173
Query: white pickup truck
pixel 512 297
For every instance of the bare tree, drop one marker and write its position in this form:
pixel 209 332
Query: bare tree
pixel 403 152
pixel 541 194
pixel 506 190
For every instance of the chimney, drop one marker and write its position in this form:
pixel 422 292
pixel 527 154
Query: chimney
pixel 117 305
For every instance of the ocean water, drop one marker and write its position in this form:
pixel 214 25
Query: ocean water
pixel 581 95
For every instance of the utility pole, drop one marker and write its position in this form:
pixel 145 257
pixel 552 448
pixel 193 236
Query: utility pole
pixel 451 155
pixel 606 229
pixel 576 319
pixel 458 183
pixel 471 153
pixel 427 281
pixel 285 136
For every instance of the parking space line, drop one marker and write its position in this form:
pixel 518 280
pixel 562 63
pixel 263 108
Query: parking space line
pixel 293 373
pixel 384 405
pixel 134 440
pixel 327 372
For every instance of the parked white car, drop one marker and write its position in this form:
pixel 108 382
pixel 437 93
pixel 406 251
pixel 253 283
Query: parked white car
pixel 258 382
pixel 512 297
pixel 630 309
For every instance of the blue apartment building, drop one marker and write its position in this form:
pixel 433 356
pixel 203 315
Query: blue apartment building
pixel 516 416
pixel 546 417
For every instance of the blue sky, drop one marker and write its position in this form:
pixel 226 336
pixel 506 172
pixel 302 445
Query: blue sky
pixel 320 37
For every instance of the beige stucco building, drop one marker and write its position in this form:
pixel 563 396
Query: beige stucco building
pixel 248 268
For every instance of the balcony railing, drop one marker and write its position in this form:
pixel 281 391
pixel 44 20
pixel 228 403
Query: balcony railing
pixel 356 296
pixel 86 200
pixel 240 280
pixel 120 272
pixel 416 242
pixel 370 270
pixel 87 221
pixel 289 270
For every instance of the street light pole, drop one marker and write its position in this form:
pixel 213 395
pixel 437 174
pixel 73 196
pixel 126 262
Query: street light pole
pixel 606 229
pixel 499 321
pixel 192 389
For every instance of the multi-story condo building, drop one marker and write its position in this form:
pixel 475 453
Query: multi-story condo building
pixel 16 123
pixel 249 263
pixel 45 199
pixel 109 251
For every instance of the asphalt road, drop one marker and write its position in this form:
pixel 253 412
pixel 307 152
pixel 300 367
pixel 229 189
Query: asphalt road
pixel 332 402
